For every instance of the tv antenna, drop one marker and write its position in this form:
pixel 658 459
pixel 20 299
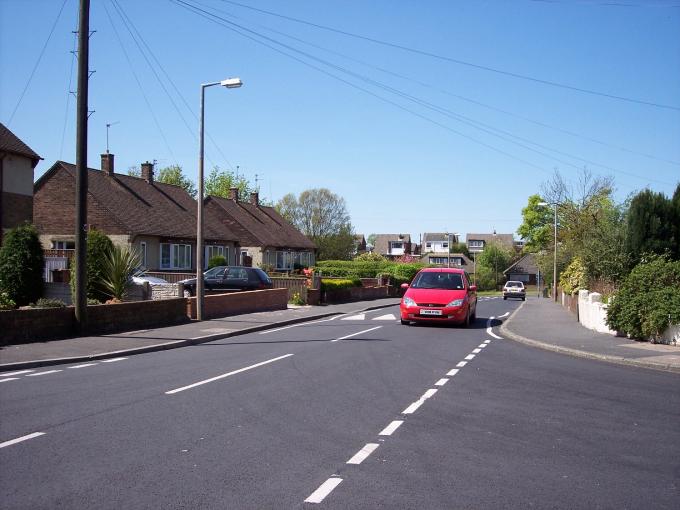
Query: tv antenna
pixel 108 125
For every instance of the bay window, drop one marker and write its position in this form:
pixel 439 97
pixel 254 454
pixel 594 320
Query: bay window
pixel 175 256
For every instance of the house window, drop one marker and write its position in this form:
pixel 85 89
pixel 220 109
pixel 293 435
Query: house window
pixel 244 254
pixel 476 244
pixel 428 245
pixel 63 245
pixel 284 260
pixel 215 251
pixel 175 256
pixel 445 245
pixel 142 254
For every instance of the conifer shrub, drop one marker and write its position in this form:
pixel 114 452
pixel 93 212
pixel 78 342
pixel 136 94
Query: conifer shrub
pixel 21 266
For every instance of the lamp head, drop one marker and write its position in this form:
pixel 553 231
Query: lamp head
pixel 231 83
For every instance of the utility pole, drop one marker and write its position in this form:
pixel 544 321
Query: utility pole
pixel 81 166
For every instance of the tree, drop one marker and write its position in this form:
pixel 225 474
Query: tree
pixel 220 182
pixel 322 216
pixel 460 248
pixel 21 265
pixel 99 247
pixel 652 225
pixel 173 175
pixel 495 257
pixel 371 239
pixel 537 225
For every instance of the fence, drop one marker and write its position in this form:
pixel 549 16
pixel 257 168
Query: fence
pixel 293 284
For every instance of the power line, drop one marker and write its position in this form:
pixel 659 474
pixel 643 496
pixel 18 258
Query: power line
pixel 68 95
pixel 457 61
pixel 426 104
pixel 37 63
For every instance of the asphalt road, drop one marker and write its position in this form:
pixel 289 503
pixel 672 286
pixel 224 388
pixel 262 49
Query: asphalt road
pixel 349 412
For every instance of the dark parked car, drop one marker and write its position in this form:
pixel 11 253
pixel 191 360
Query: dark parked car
pixel 230 278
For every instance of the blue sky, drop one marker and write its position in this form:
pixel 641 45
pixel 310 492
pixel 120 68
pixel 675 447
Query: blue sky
pixel 425 169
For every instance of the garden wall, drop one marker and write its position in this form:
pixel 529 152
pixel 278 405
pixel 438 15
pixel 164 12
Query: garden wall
pixel 233 303
pixel 592 313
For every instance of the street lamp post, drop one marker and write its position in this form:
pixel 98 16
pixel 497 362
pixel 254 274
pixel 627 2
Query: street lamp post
pixel 554 291
pixel 230 83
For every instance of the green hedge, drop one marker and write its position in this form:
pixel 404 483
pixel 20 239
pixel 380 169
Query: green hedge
pixel 399 273
pixel 649 298
pixel 331 285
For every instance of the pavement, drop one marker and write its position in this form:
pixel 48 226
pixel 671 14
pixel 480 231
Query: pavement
pixel 547 325
pixel 537 322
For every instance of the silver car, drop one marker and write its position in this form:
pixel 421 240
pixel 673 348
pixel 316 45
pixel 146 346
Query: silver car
pixel 514 289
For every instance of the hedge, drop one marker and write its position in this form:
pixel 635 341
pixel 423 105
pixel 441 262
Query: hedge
pixel 331 285
pixel 399 273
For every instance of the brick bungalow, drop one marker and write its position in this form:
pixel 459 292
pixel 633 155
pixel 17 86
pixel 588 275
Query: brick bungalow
pixel 17 162
pixel 267 239
pixel 157 219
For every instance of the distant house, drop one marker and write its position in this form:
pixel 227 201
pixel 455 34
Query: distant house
pixel 266 238
pixel 393 245
pixel 477 242
pixel 524 270
pixel 437 242
pixel 17 162
pixel 359 244
pixel 157 219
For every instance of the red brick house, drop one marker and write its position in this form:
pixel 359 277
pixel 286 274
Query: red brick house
pixel 157 219
pixel 266 238
pixel 17 162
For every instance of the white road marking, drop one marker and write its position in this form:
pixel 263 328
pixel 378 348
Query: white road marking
pixel 324 490
pixel 112 360
pixel 43 373
pixel 461 364
pixel 389 430
pixel 481 346
pixel 452 372
pixel 488 329
pixel 429 393
pixel 469 357
pixel 9 374
pixel 413 407
pixel 20 439
pixel 504 315
pixel 441 382
pixel 487 342
pixel 388 317
pixel 9 379
pixel 358 317
pixel 476 351
pixel 171 392
pixel 296 325
pixel 363 454
pixel 84 365
pixel 355 334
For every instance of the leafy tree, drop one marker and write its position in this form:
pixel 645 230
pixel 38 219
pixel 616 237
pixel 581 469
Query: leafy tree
pixel 652 225
pixel 370 256
pixel 99 246
pixel 173 175
pixel 496 258
pixel 537 225
pixel 220 182
pixel 371 239
pixel 460 248
pixel 217 260
pixel 21 266
pixel 134 171
pixel 322 216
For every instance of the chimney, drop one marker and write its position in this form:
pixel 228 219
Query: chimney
pixel 107 164
pixel 233 194
pixel 255 198
pixel 147 172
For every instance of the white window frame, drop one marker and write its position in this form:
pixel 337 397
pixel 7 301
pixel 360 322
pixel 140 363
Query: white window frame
pixel 175 256
pixel 212 248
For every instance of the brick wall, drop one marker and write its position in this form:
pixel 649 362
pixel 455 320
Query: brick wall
pixel 35 325
pixel 233 303
pixel 359 294
pixel 16 209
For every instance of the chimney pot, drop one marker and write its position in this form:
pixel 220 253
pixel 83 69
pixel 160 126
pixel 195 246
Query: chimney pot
pixel 107 164
pixel 255 198
pixel 147 172
pixel 233 194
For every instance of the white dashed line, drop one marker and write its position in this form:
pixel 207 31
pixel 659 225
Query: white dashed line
pixel 413 407
pixel 43 373
pixel 84 365
pixel 470 357
pixel 171 392
pixel 388 317
pixel 324 490
pixel 461 364
pixel 20 439
pixel 389 430
pixel 452 372
pixel 487 342
pixel 441 382
pixel 429 393
pixel 363 454
pixel 112 360
pixel 477 350
pixel 358 317
pixel 481 346
pixel 20 372
pixel 9 379
pixel 355 334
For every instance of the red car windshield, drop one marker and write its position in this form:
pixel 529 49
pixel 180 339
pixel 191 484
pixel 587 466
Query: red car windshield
pixel 446 281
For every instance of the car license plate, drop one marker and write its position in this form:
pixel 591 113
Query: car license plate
pixel 430 312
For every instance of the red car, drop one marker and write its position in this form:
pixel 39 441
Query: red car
pixel 439 295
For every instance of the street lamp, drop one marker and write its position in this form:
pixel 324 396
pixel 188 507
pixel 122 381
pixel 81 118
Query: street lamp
pixel 448 251
pixel 230 83
pixel 554 292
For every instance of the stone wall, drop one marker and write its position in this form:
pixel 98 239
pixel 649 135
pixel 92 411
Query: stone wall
pixel 164 291
pixel 233 303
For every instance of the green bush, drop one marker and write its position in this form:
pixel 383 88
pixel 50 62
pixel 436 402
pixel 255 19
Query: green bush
pixel 297 299
pixel 21 265
pixel 370 256
pixel 98 248
pixel 119 266
pixel 5 302
pixel 398 272
pixel 217 260
pixel 331 285
pixel 48 303
pixel 648 299
pixel 573 278
pixel 485 278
